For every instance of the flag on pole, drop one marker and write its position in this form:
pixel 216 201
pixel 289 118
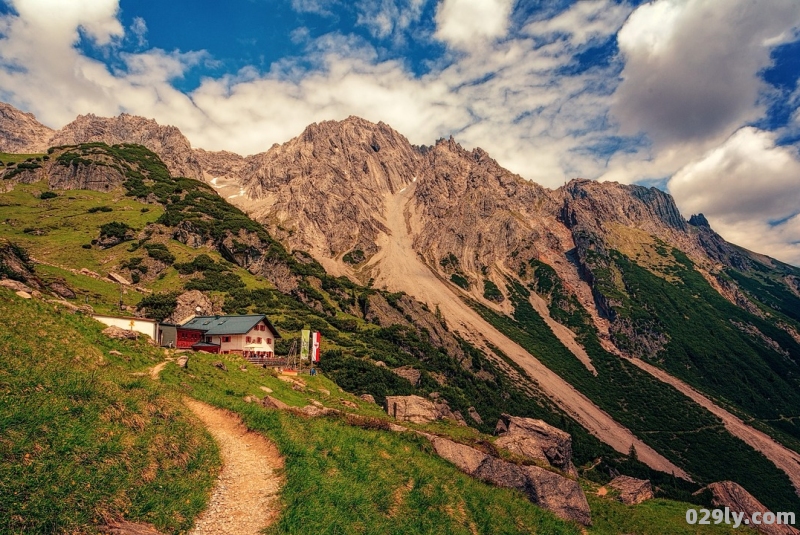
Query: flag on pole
pixel 305 334
pixel 315 343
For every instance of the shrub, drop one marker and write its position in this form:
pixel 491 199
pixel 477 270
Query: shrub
pixel 355 256
pixel 159 251
pixel 116 229
pixel 491 291
pixel 159 306
pixel 95 209
pixel 48 195
pixel 460 280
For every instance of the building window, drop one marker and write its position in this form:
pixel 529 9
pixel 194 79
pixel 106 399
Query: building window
pixel 259 340
pixel 269 340
pixel 247 340
pixel 226 338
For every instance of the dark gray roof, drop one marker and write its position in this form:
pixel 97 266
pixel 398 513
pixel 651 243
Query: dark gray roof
pixel 223 325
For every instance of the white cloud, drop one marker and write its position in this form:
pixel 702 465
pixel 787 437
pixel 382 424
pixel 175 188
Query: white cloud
pixel 744 187
pixel 467 24
pixel 385 18
pixel 583 22
pixel 319 7
pixel 139 30
pixel 691 66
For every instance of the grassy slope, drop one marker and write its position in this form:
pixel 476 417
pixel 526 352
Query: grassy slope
pixel 343 479
pixel 83 441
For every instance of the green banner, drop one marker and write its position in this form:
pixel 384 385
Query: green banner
pixel 305 336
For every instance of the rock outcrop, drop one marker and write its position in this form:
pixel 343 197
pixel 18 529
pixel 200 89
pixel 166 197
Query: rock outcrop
pixel 632 491
pixel 20 132
pixel 536 440
pixel 411 409
pixel 550 490
pixel 120 334
pixel 734 496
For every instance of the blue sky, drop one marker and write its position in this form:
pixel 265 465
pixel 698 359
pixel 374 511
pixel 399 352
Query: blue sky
pixel 699 97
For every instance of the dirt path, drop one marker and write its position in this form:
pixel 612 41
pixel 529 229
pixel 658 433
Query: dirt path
pixel 784 458
pixel 156 370
pixel 399 268
pixel 244 500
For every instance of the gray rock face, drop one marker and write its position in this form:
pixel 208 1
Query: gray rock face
pixel 537 440
pixel 21 132
pixel 734 496
pixel 549 490
pixel 632 491
pixel 411 409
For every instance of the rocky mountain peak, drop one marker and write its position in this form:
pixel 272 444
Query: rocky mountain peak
pixel 593 205
pixel 166 141
pixel 21 132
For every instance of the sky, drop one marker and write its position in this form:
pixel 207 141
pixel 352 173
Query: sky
pixel 697 97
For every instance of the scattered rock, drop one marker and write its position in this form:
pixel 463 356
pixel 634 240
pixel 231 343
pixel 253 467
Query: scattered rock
pixel 273 403
pixel 266 389
pixel 632 491
pixel 89 273
pixel 62 290
pixel 298 387
pixel 347 403
pixel 243 368
pixel 251 399
pixel 412 375
pixel 411 409
pixel 286 378
pixel 734 496
pixel 183 361
pixel 115 353
pixel 120 334
pixel 221 365
pixel 314 411
pixel 116 277
pixel 552 491
pixel 380 364
pixel 534 438
pixel 367 397
pixel 15 285
pixel 316 403
pixel 24 295
pixel 474 415
pixel 324 391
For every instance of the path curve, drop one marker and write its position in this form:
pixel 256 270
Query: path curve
pixel 399 268
pixel 784 458
pixel 245 497
pixel 156 370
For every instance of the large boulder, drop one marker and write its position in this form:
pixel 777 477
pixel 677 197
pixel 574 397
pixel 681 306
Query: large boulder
pixel 549 490
pixel 411 409
pixel 632 491
pixel 536 440
pixel 120 333
pixel 734 496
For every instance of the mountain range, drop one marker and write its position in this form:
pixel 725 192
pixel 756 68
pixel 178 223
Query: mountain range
pixel 646 329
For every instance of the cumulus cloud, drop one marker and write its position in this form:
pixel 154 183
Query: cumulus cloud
pixel 318 7
pixel 749 189
pixel 386 18
pixel 466 24
pixel 691 66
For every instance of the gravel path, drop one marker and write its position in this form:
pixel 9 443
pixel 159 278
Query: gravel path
pixel 245 498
